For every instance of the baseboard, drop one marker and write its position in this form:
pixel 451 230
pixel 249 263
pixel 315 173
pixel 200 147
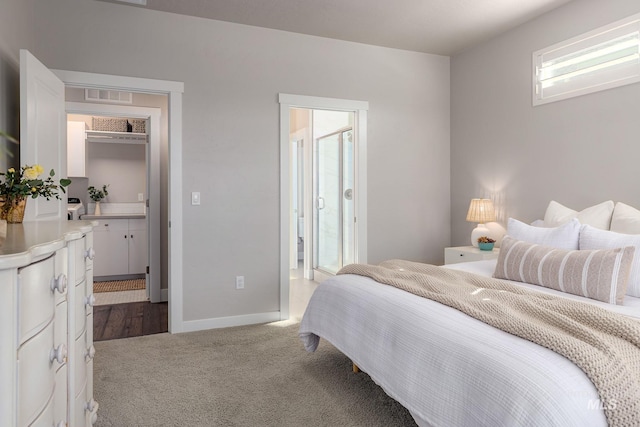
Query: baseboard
pixel 225 322
pixel 164 295
pixel 321 276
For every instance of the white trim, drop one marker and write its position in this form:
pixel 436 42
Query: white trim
pixel 318 103
pixel 225 322
pixel 360 108
pixel 174 90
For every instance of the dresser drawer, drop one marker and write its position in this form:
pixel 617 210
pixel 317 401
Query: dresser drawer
pixel 80 366
pixel 47 417
pixel 60 330
pixel 61 274
pixel 81 415
pixel 35 298
pixel 82 305
pixel 79 255
pixel 60 396
pixel 458 254
pixel 35 375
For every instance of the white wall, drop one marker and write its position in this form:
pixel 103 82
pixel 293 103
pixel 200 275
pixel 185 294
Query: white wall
pixel 579 152
pixel 232 75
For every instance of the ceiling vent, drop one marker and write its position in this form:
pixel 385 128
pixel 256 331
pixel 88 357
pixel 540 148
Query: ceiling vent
pixel 110 96
pixel 140 2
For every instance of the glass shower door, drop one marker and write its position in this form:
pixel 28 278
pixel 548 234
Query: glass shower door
pixel 334 201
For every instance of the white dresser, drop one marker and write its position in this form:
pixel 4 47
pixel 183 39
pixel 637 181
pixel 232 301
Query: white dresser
pixel 46 324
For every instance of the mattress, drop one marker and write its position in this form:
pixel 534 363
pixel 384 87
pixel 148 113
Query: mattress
pixel 445 367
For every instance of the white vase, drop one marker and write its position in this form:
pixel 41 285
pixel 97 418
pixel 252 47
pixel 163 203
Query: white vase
pixel 97 212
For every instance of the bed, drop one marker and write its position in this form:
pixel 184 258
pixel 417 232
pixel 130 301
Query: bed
pixel 447 368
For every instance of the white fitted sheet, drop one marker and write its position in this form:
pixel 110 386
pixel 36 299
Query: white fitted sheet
pixel 445 367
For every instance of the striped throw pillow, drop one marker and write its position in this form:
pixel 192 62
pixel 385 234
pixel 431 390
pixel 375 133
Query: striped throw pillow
pixel 597 274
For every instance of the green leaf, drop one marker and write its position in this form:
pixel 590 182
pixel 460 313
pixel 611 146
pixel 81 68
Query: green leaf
pixel 52 173
pixel 64 182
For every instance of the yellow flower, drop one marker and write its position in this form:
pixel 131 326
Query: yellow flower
pixel 11 170
pixel 32 172
pixel 34 189
pixel 39 169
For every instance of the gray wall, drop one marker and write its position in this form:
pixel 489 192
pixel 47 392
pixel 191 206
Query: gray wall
pixel 579 152
pixel 232 75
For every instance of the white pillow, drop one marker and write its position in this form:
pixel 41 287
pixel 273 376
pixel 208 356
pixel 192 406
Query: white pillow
pixel 625 219
pixel 564 237
pixel 598 216
pixel 592 238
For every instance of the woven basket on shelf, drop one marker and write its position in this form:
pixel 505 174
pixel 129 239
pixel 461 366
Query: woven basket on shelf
pixel 138 125
pixel 109 124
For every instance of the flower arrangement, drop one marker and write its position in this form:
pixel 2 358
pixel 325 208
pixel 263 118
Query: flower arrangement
pixel 25 183
pixel 97 195
pixel 485 239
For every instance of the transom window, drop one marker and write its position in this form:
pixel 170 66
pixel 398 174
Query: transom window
pixel 600 59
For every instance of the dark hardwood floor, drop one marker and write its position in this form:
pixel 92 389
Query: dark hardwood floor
pixel 131 319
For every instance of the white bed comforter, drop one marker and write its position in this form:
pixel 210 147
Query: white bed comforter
pixel 445 367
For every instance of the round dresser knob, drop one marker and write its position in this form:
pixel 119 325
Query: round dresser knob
pixel 90 300
pixel 59 284
pixel 59 354
pixel 90 354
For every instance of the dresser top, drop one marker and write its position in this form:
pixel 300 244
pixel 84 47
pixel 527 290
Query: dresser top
pixel 22 244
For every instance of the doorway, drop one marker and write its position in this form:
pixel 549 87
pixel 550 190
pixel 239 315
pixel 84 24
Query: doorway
pixel 323 193
pixel 173 91
pixel 135 190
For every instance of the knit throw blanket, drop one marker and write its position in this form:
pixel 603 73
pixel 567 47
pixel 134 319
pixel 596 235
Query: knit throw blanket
pixel 605 345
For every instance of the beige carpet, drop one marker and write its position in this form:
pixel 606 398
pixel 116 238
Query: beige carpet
pixel 119 285
pixel 245 376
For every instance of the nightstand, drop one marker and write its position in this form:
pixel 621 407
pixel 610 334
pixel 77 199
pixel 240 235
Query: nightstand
pixel 468 253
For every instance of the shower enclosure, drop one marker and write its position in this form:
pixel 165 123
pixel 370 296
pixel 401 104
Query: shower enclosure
pixel 333 219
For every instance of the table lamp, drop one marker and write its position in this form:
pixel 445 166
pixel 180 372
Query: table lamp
pixel 480 211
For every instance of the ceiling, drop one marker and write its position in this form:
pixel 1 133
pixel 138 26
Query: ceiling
pixel 443 27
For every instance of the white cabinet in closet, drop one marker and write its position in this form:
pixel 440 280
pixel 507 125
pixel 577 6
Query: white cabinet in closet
pixel 76 149
pixel 47 373
pixel 122 246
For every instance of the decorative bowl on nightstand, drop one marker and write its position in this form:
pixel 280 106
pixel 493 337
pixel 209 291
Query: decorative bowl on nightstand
pixel 486 246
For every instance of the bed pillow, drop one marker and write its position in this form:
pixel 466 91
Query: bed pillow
pixel 597 274
pixel 565 236
pixel 598 216
pixel 592 238
pixel 625 219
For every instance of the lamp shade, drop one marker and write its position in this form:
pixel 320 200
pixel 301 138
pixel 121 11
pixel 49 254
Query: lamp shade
pixel 481 211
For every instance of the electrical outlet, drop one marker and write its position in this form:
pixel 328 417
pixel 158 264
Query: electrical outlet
pixel 239 282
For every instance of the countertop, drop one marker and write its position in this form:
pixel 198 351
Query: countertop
pixel 30 241
pixel 112 216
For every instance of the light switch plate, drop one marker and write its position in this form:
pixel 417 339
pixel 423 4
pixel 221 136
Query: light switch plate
pixel 195 197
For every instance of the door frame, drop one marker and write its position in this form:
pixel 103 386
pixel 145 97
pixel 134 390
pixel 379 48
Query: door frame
pixel 359 108
pixel 153 180
pixel 174 91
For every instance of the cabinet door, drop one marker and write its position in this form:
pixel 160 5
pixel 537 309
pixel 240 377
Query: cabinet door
pixel 76 149
pixel 111 245
pixel 137 246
